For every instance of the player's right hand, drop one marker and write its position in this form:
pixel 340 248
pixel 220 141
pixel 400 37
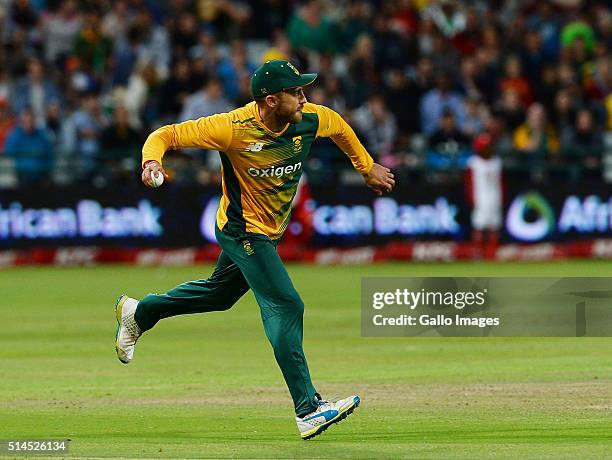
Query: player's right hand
pixel 152 167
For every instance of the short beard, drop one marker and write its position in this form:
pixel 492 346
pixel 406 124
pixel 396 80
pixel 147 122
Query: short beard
pixel 296 118
pixel 292 118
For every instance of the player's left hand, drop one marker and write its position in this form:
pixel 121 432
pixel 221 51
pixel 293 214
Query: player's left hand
pixel 379 179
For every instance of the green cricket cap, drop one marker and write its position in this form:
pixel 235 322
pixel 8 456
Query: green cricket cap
pixel 277 75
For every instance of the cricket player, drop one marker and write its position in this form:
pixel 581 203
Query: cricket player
pixel 484 177
pixel 263 148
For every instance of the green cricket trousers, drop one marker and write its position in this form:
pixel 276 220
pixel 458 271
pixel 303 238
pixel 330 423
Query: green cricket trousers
pixel 246 262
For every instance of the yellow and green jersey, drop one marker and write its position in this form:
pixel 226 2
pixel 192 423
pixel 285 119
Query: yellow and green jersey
pixel 261 169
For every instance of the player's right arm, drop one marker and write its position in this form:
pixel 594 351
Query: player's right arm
pixel 210 133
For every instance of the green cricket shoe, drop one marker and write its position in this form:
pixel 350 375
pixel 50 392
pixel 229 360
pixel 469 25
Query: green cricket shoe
pixel 325 416
pixel 127 330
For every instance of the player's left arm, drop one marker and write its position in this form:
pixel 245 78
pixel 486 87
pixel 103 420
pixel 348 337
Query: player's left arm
pixel 377 177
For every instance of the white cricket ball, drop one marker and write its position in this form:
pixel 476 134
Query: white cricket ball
pixel 157 180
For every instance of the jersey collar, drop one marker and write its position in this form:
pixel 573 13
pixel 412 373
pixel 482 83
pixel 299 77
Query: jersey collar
pixel 266 129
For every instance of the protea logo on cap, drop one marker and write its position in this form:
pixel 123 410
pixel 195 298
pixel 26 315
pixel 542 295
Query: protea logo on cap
pixel 292 67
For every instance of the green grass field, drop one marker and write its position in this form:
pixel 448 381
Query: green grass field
pixel 207 386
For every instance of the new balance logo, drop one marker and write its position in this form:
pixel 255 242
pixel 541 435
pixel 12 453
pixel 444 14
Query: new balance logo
pixel 275 171
pixel 254 147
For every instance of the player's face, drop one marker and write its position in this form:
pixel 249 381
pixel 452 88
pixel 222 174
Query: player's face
pixel 292 102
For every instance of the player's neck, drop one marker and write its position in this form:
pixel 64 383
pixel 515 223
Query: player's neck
pixel 271 120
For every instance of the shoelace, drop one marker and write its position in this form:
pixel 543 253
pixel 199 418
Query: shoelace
pixel 131 326
pixel 319 401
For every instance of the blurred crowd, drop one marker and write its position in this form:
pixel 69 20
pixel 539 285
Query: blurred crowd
pixel 82 83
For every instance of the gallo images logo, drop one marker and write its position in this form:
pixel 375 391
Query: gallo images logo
pixel 530 217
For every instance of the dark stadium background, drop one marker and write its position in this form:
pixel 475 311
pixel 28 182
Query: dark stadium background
pixel 96 77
